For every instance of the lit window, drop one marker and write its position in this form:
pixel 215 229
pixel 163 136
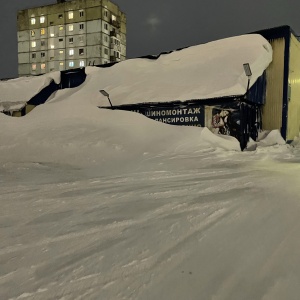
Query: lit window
pixel 71 64
pixel 71 40
pixel 70 15
pixel 81 13
pixel 81 51
pixel 61 27
pixel 43 31
pixel 43 66
pixel 32 20
pixel 61 63
pixel 71 27
pixel 33 44
pixel 81 63
pixel 61 51
pixel 113 18
pixel 33 67
pixel 52 46
pixel 71 52
pixel 52 34
pixel 81 26
pixel 42 19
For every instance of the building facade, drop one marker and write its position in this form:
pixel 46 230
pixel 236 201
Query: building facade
pixel 282 105
pixel 70 34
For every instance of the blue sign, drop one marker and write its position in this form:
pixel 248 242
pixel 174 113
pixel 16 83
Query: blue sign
pixel 183 115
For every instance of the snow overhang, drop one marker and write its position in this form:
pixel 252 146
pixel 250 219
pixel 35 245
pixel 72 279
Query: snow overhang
pixel 212 70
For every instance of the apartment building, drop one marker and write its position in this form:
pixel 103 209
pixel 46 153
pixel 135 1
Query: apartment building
pixel 70 34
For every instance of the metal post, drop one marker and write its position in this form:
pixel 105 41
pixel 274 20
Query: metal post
pixel 248 85
pixel 110 102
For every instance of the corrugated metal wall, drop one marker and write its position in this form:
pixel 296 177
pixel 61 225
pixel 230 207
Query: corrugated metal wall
pixel 294 90
pixel 272 110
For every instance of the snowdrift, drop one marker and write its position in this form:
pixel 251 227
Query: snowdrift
pixel 14 93
pixel 70 128
pixel 204 71
pixel 86 136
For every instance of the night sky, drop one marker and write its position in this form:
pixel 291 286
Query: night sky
pixel 162 25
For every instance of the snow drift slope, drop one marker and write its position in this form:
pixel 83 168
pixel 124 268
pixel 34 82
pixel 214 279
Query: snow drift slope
pixel 105 137
pixel 201 223
pixel 101 204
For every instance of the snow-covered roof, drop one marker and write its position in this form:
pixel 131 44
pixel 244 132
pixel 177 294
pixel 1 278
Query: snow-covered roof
pixel 204 71
pixel 199 72
pixel 14 93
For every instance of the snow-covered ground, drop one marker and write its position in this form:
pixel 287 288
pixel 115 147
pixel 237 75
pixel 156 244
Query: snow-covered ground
pixel 99 204
pixel 107 204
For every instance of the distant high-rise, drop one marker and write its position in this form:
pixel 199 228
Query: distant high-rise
pixel 70 34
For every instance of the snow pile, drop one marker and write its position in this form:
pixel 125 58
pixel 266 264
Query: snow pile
pixel 104 137
pixel 272 138
pixel 14 93
pixel 204 71
pixel 296 141
pixel 108 204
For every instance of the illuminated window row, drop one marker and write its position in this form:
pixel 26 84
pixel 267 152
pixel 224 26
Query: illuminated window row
pixel 71 51
pixel 43 30
pixel 43 44
pixel 71 40
pixel 71 27
pixel 80 52
pixel 34 66
pixel 42 19
pixel 71 64
pixel 71 14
